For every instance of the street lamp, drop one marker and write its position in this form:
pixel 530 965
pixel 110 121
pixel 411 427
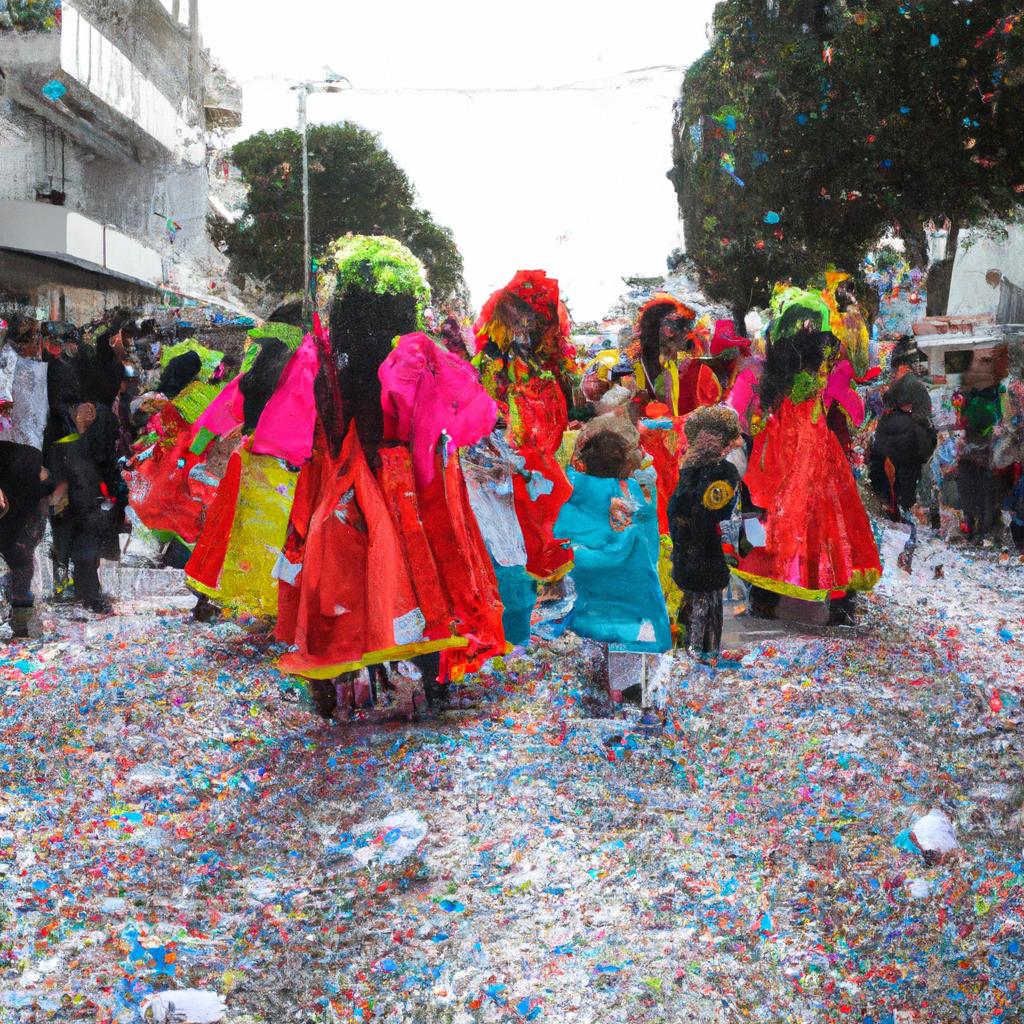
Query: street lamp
pixel 332 82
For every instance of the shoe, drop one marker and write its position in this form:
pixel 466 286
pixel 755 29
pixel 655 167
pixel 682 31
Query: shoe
pixel 22 622
pixel 100 605
pixel 205 610
pixel 324 696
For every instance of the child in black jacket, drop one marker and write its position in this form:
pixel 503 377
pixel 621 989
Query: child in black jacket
pixel 86 523
pixel 904 441
pixel 704 498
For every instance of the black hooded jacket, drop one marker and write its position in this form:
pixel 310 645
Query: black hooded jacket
pixel 704 497
pixel 906 442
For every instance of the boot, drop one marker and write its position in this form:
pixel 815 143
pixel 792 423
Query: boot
pixel 841 612
pixel 324 697
pixel 23 622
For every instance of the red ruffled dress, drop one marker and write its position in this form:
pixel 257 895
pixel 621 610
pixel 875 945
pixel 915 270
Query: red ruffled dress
pixel 819 538
pixel 384 567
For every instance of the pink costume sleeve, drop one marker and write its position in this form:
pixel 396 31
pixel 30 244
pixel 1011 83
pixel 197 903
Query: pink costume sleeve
pixel 427 391
pixel 224 413
pixel 285 428
pixel 743 397
pixel 839 389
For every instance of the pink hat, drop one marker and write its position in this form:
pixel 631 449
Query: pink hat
pixel 725 337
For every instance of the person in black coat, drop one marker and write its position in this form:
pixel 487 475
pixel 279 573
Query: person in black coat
pixel 904 441
pixel 704 498
pixel 64 389
pixel 23 485
pixel 86 522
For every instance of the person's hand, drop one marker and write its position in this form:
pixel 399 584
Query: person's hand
pixel 59 499
pixel 4 506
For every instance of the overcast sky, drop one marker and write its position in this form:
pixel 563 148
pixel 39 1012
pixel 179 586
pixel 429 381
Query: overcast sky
pixel 526 174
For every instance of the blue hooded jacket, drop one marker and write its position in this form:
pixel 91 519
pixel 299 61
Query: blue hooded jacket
pixel 619 600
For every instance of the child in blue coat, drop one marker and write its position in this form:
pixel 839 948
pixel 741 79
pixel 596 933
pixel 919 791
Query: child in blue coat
pixel 611 522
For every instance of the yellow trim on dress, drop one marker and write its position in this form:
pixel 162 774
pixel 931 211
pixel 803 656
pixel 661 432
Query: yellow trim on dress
pixel 863 580
pixel 400 653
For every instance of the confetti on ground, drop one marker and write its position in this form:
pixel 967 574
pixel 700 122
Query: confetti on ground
pixel 172 818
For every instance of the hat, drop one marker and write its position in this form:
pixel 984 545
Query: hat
pixel 725 337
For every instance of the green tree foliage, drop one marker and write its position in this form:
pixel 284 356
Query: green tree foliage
pixel 810 129
pixel 29 15
pixel 355 186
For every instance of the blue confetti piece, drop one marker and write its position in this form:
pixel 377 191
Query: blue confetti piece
pixel 54 90
pixel 771 217
pixel 935 40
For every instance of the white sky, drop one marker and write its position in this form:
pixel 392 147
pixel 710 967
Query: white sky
pixel 572 181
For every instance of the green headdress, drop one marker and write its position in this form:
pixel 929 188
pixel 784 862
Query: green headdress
pixel 290 335
pixel 371 263
pixel 792 306
pixel 208 357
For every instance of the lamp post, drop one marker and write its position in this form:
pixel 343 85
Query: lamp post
pixel 332 82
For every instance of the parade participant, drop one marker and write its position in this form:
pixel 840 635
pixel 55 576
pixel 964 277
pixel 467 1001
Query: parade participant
pixel 611 520
pixel 705 497
pixel 388 566
pixel 87 517
pixel 846 363
pixel 980 408
pixel 901 445
pixel 24 409
pixel 63 387
pixel 167 494
pixel 24 482
pixel 527 365
pixel 667 353
pixel 818 538
pixel 235 559
pixel 729 355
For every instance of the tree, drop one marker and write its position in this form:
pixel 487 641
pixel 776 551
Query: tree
pixel 354 185
pixel 810 129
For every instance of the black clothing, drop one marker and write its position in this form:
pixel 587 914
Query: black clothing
pixel 19 480
pixel 108 370
pixel 704 497
pixel 909 390
pixel 86 528
pixel 258 385
pixel 908 444
pixel 21 528
pixel 701 617
pixel 179 373
pixel 65 392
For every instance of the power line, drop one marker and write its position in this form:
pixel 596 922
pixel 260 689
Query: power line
pixel 611 83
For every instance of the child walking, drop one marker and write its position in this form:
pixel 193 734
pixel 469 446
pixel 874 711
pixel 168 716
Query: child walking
pixel 611 521
pixel 703 499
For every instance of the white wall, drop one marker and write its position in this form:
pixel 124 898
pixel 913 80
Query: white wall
pixel 89 57
pixel 977 255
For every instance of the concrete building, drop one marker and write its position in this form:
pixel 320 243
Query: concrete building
pixel 111 120
pixel 980 251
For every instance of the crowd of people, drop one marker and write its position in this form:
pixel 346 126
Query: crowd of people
pixel 402 501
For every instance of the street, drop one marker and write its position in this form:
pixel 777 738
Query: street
pixel 173 817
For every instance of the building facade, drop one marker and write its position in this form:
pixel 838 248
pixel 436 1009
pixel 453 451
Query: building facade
pixel 111 120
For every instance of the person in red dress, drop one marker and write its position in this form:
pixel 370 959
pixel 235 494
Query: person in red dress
pixel 819 543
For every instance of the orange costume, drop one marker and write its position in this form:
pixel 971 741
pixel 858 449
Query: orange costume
pixel 525 362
